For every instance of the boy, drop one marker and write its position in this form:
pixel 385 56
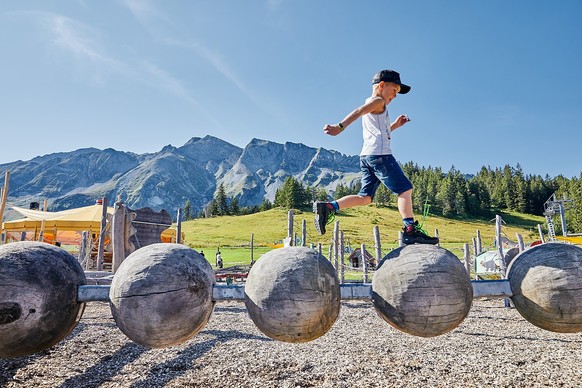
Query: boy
pixel 376 161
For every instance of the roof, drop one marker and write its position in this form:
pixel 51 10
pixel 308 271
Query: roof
pixel 83 218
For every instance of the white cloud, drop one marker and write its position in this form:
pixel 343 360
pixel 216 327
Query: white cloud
pixel 76 38
pixel 144 11
pixel 163 80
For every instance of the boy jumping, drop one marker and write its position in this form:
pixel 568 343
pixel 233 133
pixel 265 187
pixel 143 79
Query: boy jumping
pixel 376 161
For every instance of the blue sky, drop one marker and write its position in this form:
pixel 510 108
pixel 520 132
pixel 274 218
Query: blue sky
pixel 493 82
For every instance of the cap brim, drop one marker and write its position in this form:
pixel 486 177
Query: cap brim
pixel 404 89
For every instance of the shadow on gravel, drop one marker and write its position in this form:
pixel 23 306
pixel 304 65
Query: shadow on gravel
pixel 522 338
pixel 230 309
pixel 357 305
pixel 106 368
pixel 158 375
pixel 9 367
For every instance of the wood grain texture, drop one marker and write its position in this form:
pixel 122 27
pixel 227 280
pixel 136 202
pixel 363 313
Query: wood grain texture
pixel 546 282
pixel 162 295
pixel 38 297
pixel 292 294
pixel 423 290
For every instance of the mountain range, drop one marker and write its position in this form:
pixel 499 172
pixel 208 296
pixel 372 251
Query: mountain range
pixel 168 178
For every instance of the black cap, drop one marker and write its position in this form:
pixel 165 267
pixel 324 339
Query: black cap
pixel 390 76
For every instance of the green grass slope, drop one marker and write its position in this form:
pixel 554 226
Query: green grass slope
pixel 357 224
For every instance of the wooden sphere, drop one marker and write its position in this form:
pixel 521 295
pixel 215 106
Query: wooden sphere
pixel 38 297
pixel 161 295
pixel 292 294
pixel 423 290
pixel 546 282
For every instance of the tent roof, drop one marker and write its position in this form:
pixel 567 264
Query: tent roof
pixel 83 218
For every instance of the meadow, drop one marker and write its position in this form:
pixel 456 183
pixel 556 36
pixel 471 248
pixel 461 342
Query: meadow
pixel 232 234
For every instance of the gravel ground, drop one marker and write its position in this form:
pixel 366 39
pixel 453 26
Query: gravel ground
pixel 494 346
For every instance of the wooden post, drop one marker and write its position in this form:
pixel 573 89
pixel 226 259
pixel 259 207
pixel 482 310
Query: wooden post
pixel 83 250
pixel 101 248
pixel 479 243
pixel 499 244
pixel 541 234
pixel 363 261
pixel 400 235
pixel 319 248
pixel 4 196
pixel 41 233
pixel 179 227
pixel 342 257
pixel 331 252
pixel 436 234
pixel 467 256
pixel 336 245
pixel 118 235
pixel 500 252
pixel 520 244
pixel 252 248
pixel 290 216
pixel 377 244
pixel 475 252
pixel 304 233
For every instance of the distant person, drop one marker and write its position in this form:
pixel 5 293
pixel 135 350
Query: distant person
pixel 377 163
pixel 218 260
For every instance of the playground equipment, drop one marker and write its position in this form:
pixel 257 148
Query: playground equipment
pixel 554 206
pixel 163 286
pixel 293 295
pixel 161 295
pixel 423 290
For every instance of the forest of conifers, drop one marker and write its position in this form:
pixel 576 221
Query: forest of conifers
pixel 453 194
pixel 450 194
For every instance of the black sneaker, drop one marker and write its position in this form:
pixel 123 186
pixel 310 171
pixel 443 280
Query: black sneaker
pixel 323 215
pixel 414 234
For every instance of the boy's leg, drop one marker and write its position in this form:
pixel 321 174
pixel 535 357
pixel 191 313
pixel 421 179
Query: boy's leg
pixel 412 232
pixel 391 175
pixel 405 204
pixel 324 210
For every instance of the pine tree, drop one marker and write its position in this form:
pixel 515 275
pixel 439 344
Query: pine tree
pixel 188 211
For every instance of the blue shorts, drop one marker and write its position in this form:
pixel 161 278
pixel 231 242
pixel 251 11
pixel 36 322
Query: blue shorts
pixel 384 169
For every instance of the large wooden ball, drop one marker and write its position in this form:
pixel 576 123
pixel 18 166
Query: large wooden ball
pixel 423 290
pixel 38 297
pixel 546 282
pixel 292 294
pixel 161 295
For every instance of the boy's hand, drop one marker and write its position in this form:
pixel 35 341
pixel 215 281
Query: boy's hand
pixel 400 121
pixel 332 130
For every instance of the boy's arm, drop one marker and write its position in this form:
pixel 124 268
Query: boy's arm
pixel 400 121
pixel 375 104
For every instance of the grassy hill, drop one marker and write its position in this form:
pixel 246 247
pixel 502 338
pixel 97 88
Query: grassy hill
pixel 270 228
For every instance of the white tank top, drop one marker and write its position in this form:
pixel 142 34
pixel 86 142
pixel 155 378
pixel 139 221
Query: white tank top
pixel 376 133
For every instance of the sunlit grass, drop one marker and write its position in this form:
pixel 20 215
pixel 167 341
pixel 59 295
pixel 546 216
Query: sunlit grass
pixel 232 234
